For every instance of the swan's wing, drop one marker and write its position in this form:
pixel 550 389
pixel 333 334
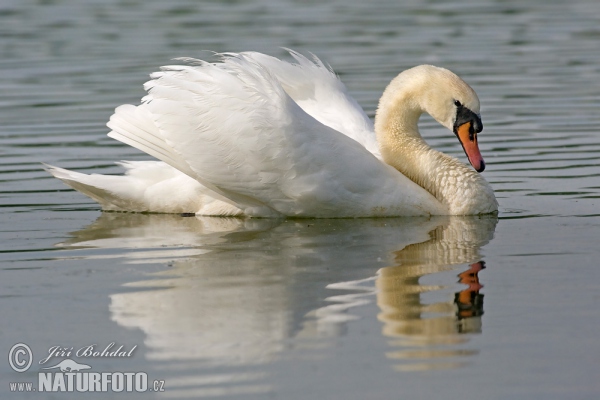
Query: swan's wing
pixel 136 127
pixel 241 135
pixel 319 92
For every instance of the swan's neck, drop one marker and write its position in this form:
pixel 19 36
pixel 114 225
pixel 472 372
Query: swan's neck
pixel 449 180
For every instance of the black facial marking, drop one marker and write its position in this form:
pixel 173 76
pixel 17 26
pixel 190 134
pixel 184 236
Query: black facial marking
pixel 464 115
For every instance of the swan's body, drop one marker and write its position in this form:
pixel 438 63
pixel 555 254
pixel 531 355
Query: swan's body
pixel 261 137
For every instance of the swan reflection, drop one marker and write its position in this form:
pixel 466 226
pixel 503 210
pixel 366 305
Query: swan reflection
pixel 249 292
pixel 424 326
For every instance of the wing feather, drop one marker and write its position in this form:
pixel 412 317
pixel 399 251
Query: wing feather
pixel 318 91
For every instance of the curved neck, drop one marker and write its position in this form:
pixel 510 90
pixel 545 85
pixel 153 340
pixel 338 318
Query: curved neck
pixel 403 147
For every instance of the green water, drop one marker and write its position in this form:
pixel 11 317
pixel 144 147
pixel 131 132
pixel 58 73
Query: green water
pixel 468 308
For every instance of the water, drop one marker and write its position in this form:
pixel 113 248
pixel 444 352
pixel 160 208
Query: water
pixel 467 308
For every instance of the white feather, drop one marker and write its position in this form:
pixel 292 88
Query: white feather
pixel 148 186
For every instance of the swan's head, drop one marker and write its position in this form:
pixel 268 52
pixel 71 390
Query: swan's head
pixel 446 97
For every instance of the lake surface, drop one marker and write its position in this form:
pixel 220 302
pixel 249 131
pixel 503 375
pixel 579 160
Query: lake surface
pixel 411 308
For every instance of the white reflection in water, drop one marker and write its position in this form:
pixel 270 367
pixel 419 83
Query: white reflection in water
pixel 424 330
pixel 239 290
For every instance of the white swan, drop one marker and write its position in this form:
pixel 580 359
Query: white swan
pixel 253 135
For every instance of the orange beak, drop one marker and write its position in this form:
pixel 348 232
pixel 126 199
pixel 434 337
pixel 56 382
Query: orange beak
pixel 468 139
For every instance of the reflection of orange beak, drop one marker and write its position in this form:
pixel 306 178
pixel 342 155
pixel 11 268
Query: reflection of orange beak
pixel 468 139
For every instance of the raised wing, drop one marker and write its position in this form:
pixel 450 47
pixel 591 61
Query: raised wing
pixel 232 127
pixel 319 92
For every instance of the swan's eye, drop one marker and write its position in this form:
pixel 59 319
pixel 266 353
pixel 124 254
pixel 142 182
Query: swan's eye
pixel 457 103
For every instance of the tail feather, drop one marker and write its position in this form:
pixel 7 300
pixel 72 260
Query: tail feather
pixel 101 188
pixel 147 186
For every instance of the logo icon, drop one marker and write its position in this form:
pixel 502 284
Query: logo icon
pixel 69 365
pixel 20 357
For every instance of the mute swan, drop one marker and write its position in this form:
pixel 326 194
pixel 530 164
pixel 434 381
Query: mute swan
pixel 256 136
